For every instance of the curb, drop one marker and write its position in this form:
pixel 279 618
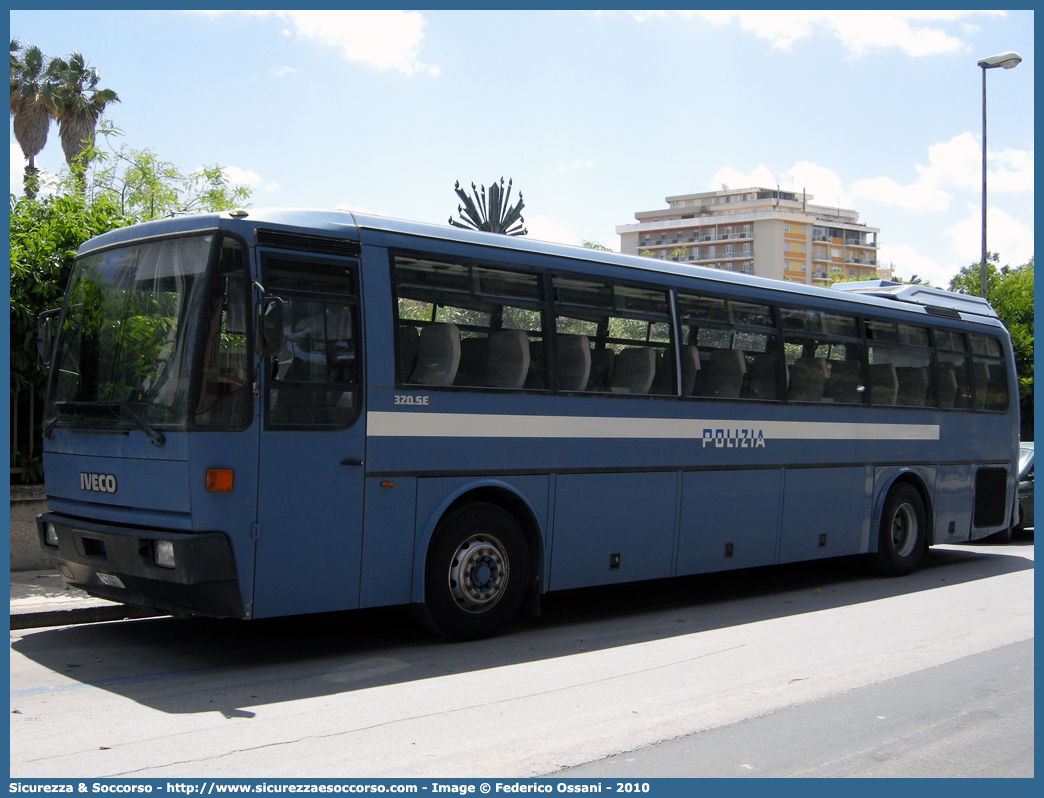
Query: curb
pixel 67 617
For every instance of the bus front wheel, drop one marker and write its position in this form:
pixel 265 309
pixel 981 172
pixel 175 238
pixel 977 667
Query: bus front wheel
pixel 903 533
pixel 476 573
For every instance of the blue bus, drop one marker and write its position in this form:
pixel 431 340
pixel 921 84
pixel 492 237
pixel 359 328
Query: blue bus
pixel 270 412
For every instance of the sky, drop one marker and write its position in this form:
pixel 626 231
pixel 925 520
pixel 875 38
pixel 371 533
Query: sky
pixel 594 115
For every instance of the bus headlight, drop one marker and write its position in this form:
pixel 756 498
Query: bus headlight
pixel 163 554
pixel 50 535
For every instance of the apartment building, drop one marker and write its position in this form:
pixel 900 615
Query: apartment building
pixel 760 231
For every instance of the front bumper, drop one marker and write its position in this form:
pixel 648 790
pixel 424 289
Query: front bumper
pixel 118 563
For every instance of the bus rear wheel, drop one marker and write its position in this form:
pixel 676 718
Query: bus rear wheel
pixel 903 535
pixel 475 575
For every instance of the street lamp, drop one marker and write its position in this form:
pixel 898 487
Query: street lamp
pixel 1007 60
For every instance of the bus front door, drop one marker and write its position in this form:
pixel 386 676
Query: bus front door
pixel 310 474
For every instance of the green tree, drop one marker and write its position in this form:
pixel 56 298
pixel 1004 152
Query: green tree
pixel 1010 292
pixel 495 216
pixel 80 102
pixel 32 105
pixel 968 278
pixel 45 234
pixel 914 280
pixel 146 187
pixel 595 245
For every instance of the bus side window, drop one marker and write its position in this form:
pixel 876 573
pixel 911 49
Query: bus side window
pixel 824 357
pixel 628 329
pixel 901 364
pixel 955 380
pixel 730 348
pixel 989 374
pixel 313 382
pixel 225 399
pixel 468 325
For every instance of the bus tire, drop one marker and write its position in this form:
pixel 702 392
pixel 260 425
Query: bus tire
pixel 475 574
pixel 903 536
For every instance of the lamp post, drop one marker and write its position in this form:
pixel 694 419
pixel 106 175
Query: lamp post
pixel 1007 60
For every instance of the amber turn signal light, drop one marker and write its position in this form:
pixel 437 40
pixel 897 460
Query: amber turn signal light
pixel 219 480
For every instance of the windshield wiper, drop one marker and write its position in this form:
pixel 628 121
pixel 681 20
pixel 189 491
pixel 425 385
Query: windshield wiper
pixel 117 407
pixel 154 435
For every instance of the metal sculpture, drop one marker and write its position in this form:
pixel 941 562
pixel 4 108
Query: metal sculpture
pixel 496 216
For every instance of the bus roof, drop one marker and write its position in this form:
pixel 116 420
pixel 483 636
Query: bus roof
pixel 918 294
pixel 352 225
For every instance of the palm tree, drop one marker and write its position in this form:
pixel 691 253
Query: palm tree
pixel 80 103
pixel 32 105
pixel 496 216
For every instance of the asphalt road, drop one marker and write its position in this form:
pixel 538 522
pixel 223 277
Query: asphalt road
pixel 767 663
pixel 969 718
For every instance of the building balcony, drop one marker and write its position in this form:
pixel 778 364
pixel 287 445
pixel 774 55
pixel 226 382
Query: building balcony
pixel 698 239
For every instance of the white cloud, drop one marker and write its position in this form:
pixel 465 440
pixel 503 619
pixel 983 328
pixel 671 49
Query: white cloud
pixel 915 197
pixel 380 39
pixel 642 16
pixel 916 33
pixel 543 229
pixel 1007 236
pixel 1014 170
pixel 283 71
pixel 733 178
pixel 822 185
pixel 244 177
pixel 955 164
pixel 906 262
pixel 958 163
pixel 578 164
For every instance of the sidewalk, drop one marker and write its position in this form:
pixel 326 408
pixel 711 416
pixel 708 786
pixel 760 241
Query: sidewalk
pixel 41 598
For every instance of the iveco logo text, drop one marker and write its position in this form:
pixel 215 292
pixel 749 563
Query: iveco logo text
pixel 99 483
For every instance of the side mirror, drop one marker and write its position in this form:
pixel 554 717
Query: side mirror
pixel 270 337
pixel 45 335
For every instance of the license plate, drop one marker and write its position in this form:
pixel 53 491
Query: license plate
pixel 111 581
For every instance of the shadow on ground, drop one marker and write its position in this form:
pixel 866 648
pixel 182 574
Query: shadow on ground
pixel 188 666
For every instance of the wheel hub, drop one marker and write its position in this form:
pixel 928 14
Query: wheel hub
pixel 478 573
pixel 904 530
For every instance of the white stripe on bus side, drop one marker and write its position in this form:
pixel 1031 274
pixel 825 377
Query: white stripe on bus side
pixel 413 424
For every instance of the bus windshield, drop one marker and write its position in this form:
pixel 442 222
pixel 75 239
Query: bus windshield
pixel 127 353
